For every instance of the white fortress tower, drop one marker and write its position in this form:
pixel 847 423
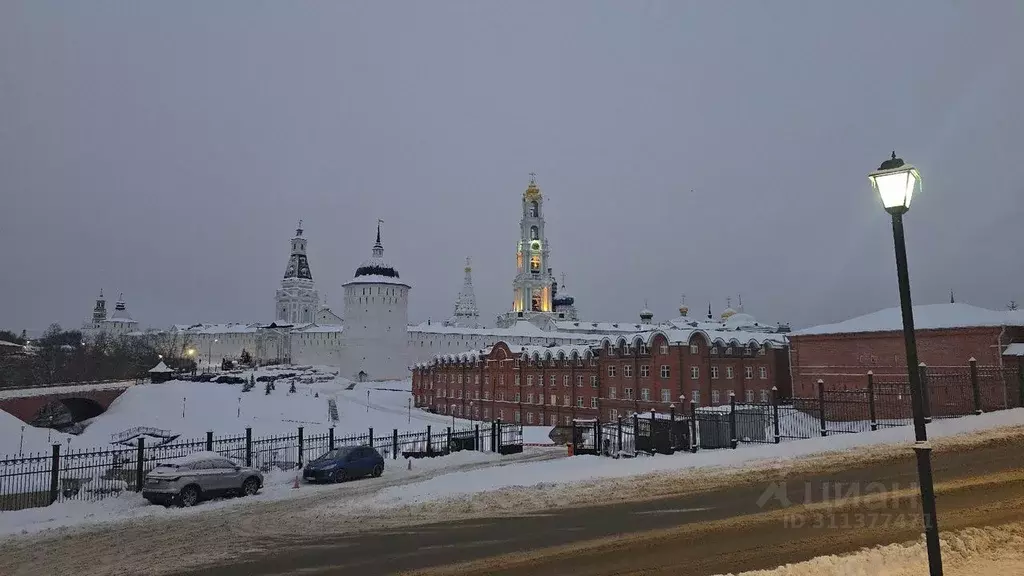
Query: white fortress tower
pixel 297 302
pixel 374 341
pixel 532 288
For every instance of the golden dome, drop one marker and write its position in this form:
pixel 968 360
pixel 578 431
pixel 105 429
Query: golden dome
pixel 532 191
pixel 727 313
pixel 684 310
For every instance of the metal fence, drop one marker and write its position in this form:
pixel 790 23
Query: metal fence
pixel 884 401
pixel 41 479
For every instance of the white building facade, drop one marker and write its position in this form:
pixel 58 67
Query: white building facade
pixel 297 300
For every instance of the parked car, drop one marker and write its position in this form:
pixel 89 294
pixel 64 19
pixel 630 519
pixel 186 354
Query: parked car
pixel 188 480
pixel 345 463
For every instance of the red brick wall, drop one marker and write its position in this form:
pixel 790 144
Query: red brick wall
pixel 26 408
pixel 841 360
pixel 494 394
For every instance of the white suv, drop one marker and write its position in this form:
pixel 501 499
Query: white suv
pixel 202 475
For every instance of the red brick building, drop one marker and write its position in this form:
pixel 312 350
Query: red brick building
pixel 611 378
pixel 948 335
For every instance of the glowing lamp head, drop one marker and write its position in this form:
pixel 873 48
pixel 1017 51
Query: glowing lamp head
pixel 895 182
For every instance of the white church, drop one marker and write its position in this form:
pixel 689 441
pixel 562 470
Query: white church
pixel 372 339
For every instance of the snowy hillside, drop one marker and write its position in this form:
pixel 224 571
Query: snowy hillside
pixel 190 409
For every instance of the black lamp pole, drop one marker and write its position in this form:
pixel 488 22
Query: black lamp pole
pixel 922 448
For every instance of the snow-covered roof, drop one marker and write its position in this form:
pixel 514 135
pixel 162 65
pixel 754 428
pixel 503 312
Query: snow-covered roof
pixel 1016 349
pixel 230 328
pixel 160 368
pixel 114 319
pixel 557 352
pixel 713 337
pixel 376 279
pixel 521 328
pixel 603 327
pixel 319 329
pixel 926 317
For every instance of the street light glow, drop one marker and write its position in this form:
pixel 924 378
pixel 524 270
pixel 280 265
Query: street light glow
pixel 895 182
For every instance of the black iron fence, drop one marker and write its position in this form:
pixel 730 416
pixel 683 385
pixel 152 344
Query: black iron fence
pixel 41 479
pixel 884 401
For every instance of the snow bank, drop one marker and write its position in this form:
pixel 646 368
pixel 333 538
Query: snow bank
pixel 34 441
pixel 992 551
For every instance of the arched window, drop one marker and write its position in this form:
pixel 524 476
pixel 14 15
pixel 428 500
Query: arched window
pixel 534 209
pixel 535 263
pixel 534 233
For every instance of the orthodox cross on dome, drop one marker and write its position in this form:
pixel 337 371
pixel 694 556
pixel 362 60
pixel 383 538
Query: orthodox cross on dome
pixel 469 265
pixel 298 231
pixel 728 301
pixel 533 178
pixel 682 300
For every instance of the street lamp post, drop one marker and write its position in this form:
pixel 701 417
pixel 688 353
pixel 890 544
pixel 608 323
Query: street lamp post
pixel 895 182
pixel 209 351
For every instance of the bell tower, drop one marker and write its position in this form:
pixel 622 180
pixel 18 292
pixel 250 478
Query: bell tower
pixel 297 301
pixel 532 287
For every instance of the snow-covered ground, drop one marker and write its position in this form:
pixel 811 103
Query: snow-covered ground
pixel 278 485
pixel 190 409
pixel 564 475
pixel 991 551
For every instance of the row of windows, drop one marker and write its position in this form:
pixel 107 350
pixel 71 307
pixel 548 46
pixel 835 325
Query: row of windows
pixel 627 372
pixel 613 394
pixel 368 290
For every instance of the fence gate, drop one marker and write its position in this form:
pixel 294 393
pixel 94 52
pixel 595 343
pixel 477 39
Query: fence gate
pixel 586 437
pixel 661 436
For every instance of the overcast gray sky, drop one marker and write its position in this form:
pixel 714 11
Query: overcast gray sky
pixel 166 150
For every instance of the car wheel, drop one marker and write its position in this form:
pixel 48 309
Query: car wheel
pixel 377 471
pixel 189 496
pixel 250 487
pixel 339 476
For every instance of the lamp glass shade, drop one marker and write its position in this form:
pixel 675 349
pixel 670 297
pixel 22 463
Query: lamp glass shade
pixel 896 186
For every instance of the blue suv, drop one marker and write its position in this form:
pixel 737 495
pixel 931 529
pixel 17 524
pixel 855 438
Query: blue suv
pixel 343 464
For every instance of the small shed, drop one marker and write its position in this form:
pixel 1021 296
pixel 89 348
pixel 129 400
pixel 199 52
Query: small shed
pixel 160 373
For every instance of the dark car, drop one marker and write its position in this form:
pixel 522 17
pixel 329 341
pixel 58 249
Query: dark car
pixel 345 463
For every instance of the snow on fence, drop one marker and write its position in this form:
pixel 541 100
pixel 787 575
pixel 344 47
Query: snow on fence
pixel 91 474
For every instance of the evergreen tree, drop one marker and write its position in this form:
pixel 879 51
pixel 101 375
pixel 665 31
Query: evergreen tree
pixel 292 389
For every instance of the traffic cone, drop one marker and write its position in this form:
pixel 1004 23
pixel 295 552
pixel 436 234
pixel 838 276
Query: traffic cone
pixel 295 485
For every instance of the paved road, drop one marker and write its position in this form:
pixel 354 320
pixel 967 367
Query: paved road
pixel 707 533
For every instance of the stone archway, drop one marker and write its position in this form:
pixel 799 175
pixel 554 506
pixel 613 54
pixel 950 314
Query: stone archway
pixel 66 412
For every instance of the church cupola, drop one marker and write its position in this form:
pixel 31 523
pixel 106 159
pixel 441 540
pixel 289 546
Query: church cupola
pixel 564 303
pixel 121 311
pixel 646 316
pixel 466 314
pixel 375 265
pixel 684 310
